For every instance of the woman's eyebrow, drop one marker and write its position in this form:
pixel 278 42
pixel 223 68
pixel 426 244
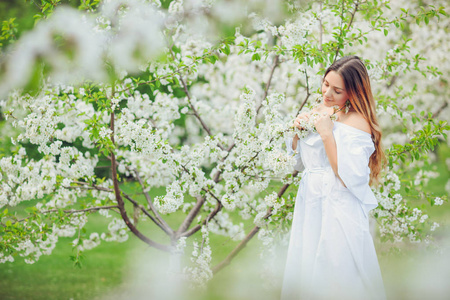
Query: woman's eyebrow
pixel 336 87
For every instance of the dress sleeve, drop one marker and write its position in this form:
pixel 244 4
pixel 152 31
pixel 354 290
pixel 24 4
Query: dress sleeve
pixel 353 153
pixel 296 153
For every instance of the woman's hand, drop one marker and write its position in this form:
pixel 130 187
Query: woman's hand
pixel 302 116
pixel 324 125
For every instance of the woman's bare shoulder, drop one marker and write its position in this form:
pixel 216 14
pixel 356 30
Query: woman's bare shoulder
pixel 356 120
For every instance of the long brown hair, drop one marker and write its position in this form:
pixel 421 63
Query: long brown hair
pixel 357 85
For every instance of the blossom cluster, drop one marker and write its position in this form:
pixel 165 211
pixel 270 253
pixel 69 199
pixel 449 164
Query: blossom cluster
pixel 200 272
pixel 208 133
pixel 397 218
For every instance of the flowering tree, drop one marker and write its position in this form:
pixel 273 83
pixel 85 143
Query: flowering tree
pixel 169 98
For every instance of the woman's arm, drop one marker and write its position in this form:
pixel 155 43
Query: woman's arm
pixel 324 127
pixel 294 142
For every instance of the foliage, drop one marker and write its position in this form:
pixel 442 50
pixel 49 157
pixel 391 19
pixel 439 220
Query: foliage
pixel 168 99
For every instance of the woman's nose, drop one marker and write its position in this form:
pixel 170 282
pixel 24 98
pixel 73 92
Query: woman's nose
pixel 327 93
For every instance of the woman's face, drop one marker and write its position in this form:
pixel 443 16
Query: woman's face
pixel 333 90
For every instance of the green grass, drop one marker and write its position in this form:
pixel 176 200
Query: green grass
pixel 55 277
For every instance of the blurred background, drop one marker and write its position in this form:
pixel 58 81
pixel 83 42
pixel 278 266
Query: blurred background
pixel 131 270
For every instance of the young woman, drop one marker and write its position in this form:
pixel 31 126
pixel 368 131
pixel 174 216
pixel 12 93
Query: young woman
pixel 331 253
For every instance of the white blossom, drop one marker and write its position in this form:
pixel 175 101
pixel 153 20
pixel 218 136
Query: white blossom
pixel 171 201
pixel 181 245
pixel 434 226
pixel 438 201
pixel 201 271
pixel 117 232
pixel 4 258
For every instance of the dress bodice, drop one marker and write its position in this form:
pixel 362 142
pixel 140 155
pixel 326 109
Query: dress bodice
pixel 354 148
pixel 312 150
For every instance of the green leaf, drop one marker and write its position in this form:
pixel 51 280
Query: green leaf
pixel 226 49
pixel 256 56
pixel 385 32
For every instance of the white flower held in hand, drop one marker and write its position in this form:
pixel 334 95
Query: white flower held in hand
pixel 308 125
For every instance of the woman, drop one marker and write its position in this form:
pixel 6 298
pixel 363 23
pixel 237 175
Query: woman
pixel 331 253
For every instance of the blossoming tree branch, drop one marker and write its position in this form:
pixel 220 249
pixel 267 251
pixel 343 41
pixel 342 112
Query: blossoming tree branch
pixel 197 97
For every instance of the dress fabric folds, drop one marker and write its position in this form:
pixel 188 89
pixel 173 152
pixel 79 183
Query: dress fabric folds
pixel 331 254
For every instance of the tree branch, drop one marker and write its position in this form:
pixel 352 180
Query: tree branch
pixel 182 230
pixel 207 219
pixel 188 95
pixel 348 26
pixel 438 112
pixel 71 211
pixel 134 202
pixel 229 151
pixel 190 217
pixel 238 248
pixel 195 210
pixel 243 167
pixel 87 186
pixel 121 204
pixel 308 93
pixel 162 222
pixel 266 90
pixel 250 235
pixel 142 208
pixel 186 91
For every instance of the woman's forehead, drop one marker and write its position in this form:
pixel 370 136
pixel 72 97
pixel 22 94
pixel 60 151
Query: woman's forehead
pixel 335 79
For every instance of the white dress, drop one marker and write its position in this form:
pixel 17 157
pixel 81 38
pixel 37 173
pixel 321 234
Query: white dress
pixel 331 253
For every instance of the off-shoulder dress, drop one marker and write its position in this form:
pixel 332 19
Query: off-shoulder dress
pixel 331 254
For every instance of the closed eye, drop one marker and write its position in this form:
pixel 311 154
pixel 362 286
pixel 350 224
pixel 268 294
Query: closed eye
pixel 326 84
